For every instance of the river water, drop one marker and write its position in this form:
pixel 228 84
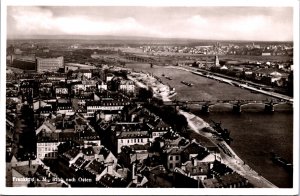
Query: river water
pixel 255 134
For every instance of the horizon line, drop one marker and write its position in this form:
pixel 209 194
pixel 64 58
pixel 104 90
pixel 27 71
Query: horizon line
pixel 81 37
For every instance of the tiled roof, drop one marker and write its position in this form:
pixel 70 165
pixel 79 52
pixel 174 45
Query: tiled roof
pixel 134 134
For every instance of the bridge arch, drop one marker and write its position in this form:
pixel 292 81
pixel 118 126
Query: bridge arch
pixel 253 107
pixel 283 106
pixel 220 107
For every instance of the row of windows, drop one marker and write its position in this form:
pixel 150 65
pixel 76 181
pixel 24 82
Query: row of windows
pixel 49 155
pixel 47 144
pixel 108 104
pixel 106 108
pixel 138 140
pixel 46 149
pixel 158 134
pixel 176 158
pixel 171 165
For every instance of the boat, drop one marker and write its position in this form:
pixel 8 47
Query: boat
pixel 282 162
pixel 221 132
pixel 169 78
pixel 187 83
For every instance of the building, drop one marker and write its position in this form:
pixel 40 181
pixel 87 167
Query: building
pixel 174 158
pixel 49 64
pixel 105 105
pixel 32 173
pixel 84 73
pixel 127 86
pixel 50 136
pixel 160 129
pixel 233 180
pixel 128 138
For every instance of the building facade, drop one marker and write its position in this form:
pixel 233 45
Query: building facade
pixel 49 64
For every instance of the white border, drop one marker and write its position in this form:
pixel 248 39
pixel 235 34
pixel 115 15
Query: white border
pixel 148 191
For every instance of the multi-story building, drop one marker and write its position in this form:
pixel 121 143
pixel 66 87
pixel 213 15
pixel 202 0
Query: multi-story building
pixel 127 86
pixel 49 137
pixel 105 105
pixel 129 138
pixel 174 158
pixel 49 64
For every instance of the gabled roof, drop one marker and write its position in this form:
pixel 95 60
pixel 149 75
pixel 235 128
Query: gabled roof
pixel 80 163
pixel 95 167
pixel 71 154
pixel 47 126
pixel 162 126
pixel 174 151
pixel 198 169
pixel 113 181
pixel 137 147
pixel 133 134
pixel 26 170
pixel 194 148
pixel 223 181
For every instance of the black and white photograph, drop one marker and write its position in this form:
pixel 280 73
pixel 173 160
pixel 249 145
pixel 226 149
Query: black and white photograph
pixel 150 98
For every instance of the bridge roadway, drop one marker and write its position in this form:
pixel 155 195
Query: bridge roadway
pixel 210 102
pixel 236 83
pixel 237 105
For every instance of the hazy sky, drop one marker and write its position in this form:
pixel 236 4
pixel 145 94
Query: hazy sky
pixel 229 23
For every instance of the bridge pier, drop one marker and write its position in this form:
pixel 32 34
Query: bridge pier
pixel 237 108
pixel 269 107
pixel 205 108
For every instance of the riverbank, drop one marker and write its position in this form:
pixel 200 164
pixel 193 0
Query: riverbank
pixel 229 157
pixel 232 82
pixel 149 81
pixel 197 124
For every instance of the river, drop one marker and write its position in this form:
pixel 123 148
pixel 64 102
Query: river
pixel 256 134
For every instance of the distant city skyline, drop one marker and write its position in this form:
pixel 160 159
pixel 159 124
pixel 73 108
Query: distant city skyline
pixel 214 23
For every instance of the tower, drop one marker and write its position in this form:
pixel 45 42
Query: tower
pixel 217 63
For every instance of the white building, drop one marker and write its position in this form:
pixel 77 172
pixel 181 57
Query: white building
pixel 49 138
pixel 127 86
pixel 128 138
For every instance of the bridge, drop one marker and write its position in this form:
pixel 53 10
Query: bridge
pixel 234 105
pixel 140 59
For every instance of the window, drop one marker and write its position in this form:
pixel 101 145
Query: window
pixel 128 141
pixel 171 165
pixel 177 157
pixel 171 158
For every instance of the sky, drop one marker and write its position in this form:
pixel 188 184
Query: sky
pixel 213 23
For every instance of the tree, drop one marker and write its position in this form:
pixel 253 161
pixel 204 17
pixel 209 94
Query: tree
pixel 181 123
pixel 145 94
